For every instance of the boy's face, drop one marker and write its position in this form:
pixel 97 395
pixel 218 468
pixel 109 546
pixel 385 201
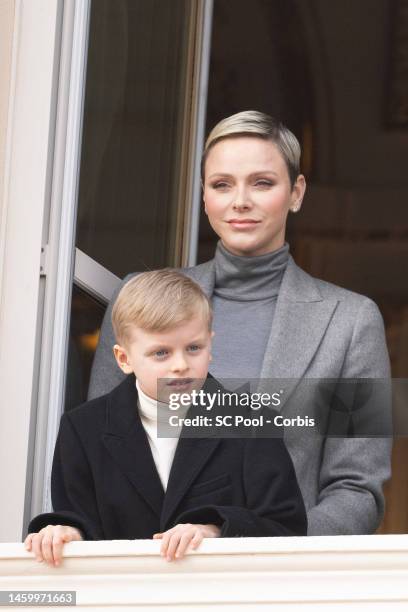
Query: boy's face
pixel 181 354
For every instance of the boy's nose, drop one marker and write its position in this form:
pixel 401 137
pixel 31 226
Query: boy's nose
pixel 179 364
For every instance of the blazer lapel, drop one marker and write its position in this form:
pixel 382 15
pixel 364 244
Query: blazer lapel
pixel 127 443
pixel 300 322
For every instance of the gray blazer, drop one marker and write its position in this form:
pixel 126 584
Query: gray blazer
pixel 319 331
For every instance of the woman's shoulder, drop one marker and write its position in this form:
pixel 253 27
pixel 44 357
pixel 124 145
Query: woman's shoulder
pixel 195 272
pixel 198 271
pixel 331 291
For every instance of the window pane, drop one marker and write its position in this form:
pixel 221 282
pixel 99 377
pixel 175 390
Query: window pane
pixel 86 318
pixel 134 115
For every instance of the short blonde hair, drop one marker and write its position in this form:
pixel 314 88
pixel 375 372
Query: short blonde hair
pixel 158 301
pixel 261 125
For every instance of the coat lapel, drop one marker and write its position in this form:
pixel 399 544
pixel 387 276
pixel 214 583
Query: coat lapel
pixel 190 457
pixel 300 322
pixel 127 443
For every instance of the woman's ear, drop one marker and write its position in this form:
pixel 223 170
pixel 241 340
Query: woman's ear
pixel 122 359
pixel 298 193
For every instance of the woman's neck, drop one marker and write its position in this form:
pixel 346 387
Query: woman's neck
pixel 242 277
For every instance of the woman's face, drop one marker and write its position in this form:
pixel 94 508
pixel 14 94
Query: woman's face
pixel 247 194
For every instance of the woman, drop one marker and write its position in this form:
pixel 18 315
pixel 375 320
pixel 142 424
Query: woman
pixel 274 321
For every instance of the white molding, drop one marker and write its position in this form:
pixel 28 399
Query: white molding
pixel 93 277
pixel 27 180
pixel 315 573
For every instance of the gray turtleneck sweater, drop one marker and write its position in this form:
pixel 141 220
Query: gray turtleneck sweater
pixel 244 300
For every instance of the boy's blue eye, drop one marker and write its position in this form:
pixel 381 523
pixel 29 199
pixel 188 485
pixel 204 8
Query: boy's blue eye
pixel 161 353
pixel 194 347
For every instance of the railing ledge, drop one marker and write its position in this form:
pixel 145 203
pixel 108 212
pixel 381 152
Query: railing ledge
pixel 353 572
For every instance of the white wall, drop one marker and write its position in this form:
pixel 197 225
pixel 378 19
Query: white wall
pixel 6 41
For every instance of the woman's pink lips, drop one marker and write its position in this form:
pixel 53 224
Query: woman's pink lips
pixel 243 223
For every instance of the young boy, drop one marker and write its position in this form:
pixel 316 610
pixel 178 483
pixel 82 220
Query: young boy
pixel 114 478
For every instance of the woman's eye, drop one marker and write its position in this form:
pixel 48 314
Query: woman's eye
pixel 263 183
pixel 220 185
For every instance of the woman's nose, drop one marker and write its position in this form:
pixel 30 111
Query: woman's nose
pixel 241 199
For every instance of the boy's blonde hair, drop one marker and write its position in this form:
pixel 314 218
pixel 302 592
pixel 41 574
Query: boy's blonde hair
pixel 157 301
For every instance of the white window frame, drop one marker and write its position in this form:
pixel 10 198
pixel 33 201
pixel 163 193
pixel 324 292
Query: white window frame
pixel 202 68
pixel 62 245
pixel 93 278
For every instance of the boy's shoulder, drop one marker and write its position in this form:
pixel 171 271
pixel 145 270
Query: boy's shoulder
pixel 96 411
pixel 92 406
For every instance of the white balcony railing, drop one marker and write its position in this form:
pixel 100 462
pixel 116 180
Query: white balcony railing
pixel 353 573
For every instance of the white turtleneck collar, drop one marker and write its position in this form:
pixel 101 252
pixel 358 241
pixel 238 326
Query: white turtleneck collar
pixel 152 409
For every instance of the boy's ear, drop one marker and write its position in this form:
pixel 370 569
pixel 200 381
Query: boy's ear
pixel 212 336
pixel 122 359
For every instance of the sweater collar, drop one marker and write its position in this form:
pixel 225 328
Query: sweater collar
pixel 153 410
pixel 249 278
